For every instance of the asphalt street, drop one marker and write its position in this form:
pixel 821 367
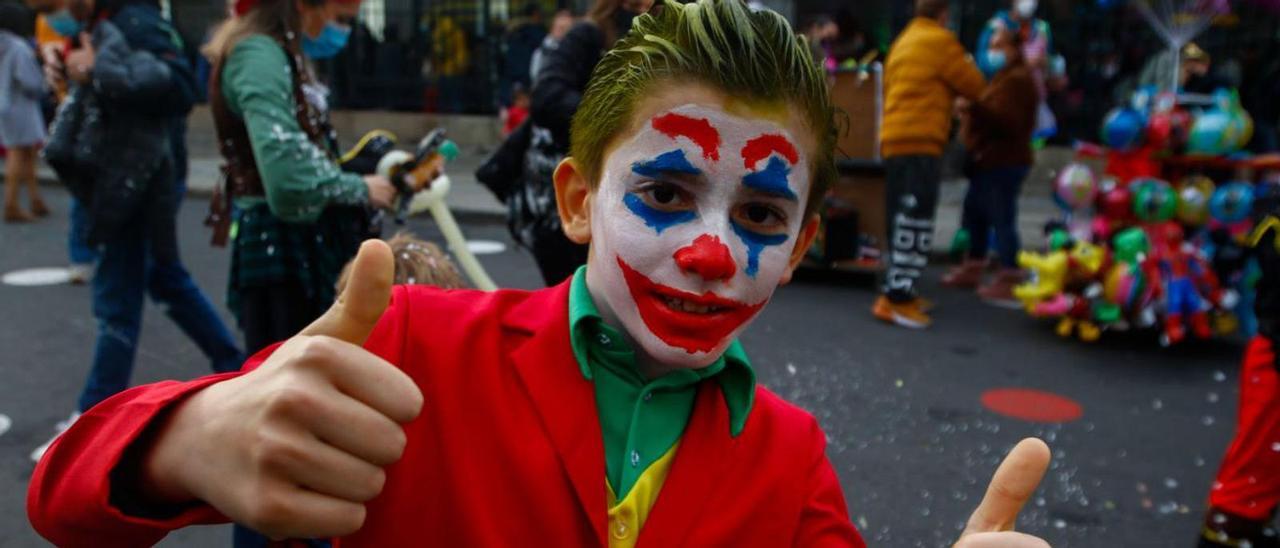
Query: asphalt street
pixel 908 436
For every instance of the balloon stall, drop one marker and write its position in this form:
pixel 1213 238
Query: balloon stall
pixel 1155 239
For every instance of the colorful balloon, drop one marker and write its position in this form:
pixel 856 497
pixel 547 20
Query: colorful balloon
pixel 1240 124
pixel 1160 125
pixel 1211 133
pixel 1122 129
pixel 1180 120
pixel 1075 188
pixel 1123 286
pixel 1116 204
pixel 1232 202
pixel 1193 199
pixel 1154 200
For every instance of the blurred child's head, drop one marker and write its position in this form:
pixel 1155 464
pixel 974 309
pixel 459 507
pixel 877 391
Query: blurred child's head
pixel 699 153
pixel 519 96
pixel 418 262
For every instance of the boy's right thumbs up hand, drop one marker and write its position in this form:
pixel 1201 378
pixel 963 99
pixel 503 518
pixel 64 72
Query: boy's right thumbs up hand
pixel 294 448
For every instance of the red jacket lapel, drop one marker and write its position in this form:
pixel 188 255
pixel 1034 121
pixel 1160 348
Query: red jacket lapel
pixel 705 458
pixel 562 397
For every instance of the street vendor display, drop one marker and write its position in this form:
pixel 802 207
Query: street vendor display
pixel 1170 215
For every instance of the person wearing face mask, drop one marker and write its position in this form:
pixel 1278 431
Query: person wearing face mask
pixel 997 135
pixel 130 87
pixel 557 90
pixel 1037 52
pixel 298 217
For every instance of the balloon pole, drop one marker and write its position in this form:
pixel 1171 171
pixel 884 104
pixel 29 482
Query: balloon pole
pixel 458 245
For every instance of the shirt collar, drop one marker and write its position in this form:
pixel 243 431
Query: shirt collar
pixel 587 330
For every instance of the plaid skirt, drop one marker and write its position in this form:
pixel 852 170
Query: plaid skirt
pixel 268 251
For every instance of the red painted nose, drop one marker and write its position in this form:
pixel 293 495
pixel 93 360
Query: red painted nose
pixel 708 257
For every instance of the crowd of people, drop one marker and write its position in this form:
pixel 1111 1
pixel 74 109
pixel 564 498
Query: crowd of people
pixel 929 79
pixel 650 276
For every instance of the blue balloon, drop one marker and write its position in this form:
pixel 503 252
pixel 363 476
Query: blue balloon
pixel 1232 202
pixel 1122 129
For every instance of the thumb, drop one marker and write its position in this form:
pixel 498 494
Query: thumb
pixel 366 296
pixel 1010 488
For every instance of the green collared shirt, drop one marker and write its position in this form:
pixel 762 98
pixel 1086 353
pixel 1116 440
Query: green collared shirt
pixel 642 419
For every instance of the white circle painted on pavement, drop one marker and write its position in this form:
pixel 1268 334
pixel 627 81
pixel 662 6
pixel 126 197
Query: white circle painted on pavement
pixel 38 276
pixel 5 423
pixel 486 247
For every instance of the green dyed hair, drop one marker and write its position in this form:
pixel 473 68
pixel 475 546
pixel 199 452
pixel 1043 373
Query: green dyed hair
pixel 751 55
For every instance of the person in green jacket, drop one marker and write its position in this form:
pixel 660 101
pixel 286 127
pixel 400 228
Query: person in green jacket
pixel 293 217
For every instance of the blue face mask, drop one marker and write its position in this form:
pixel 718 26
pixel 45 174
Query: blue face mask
pixel 996 60
pixel 63 23
pixel 331 40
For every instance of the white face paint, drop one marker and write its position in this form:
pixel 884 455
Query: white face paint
pixel 692 229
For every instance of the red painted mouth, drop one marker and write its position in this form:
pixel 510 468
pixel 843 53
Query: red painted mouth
pixel 688 321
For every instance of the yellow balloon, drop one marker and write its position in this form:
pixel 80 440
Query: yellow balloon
pixel 1194 192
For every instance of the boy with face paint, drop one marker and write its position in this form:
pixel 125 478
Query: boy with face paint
pixel 614 409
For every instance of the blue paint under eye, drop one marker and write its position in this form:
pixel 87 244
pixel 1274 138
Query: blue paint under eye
pixel 772 179
pixel 756 242
pixel 655 218
pixel 667 162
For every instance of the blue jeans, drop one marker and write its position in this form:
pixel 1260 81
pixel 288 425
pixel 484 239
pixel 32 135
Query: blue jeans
pixel 991 205
pixel 125 272
pixel 78 248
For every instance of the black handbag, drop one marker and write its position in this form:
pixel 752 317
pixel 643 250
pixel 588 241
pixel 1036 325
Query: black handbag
pixel 501 171
pixel 75 142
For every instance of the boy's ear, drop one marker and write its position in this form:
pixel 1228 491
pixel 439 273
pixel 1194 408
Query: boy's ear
pixel 803 242
pixel 573 198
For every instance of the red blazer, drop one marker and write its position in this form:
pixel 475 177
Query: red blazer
pixel 507 450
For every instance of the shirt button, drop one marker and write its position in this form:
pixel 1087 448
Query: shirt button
pixel 620 529
pixel 635 458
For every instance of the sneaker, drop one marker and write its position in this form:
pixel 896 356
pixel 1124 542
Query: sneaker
pixel 1000 291
pixel 1222 529
pixel 80 273
pixel 61 427
pixel 908 314
pixel 966 275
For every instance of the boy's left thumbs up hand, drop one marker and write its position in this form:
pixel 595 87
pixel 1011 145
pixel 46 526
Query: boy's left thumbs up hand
pixel 991 525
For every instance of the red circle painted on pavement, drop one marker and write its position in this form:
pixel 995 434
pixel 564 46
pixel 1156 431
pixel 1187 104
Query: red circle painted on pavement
pixel 1031 405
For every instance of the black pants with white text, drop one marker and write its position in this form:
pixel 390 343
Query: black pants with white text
pixel 911 201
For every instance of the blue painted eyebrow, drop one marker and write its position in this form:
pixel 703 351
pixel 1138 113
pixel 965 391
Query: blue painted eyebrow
pixel 667 162
pixel 772 179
